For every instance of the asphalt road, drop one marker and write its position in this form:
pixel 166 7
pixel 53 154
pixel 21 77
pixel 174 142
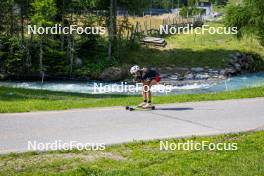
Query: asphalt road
pixel 116 125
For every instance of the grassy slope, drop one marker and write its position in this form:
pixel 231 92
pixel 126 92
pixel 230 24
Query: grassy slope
pixel 22 100
pixel 145 158
pixel 192 51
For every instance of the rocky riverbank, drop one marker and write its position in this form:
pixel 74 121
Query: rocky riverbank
pixel 238 64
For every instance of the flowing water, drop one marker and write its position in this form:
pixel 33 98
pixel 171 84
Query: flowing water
pixel 234 83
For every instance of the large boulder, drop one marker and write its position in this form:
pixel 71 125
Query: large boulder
pixel 114 74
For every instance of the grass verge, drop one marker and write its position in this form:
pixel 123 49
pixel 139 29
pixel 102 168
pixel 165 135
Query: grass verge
pixel 146 158
pixel 24 100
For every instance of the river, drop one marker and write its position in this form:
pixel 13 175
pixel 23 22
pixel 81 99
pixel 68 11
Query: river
pixel 233 83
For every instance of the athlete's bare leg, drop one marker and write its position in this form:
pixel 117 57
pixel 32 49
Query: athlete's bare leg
pixel 148 93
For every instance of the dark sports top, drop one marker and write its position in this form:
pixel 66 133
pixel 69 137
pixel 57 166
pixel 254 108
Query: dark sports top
pixel 147 75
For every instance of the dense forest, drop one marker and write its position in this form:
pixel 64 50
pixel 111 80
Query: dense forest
pixel 24 54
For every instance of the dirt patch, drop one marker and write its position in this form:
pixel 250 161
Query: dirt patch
pixel 232 138
pixel 86 157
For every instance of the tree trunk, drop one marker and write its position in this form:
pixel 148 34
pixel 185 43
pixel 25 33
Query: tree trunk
pixel 114 20
pixel 112 27
pixel 22 23
pixel 71 54
pixel 41 70
pixel 11 22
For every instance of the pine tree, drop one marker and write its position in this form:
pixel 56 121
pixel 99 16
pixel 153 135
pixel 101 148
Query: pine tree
pixel 44 12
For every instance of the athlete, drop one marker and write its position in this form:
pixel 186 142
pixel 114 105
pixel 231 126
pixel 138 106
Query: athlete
pixel 148 78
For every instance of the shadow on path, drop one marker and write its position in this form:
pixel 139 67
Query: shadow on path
pixel 174 109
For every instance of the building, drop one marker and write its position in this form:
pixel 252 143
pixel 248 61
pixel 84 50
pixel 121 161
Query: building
pixel 206 5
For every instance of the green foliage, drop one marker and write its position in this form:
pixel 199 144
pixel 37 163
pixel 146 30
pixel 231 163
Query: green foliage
pixel 192 3
pixel 166 4
pixel 135 6
pixel 11 55
pixel 248 17
pixel 184 11
pixel 44 12
pixel 8 17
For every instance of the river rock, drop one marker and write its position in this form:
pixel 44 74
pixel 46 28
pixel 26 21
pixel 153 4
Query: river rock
pixel 213 72
pixel 222 72
pixel 238 55
pixel 168 68
pixel 202 76
pixel 189 76
pixel 232 56
pixel 246 66
pixel 230 71
pixel 222 77
pixel 114 74
pixel 237 67
pixel 197 69
pixel 232 62
pixel 164 75
pixel 181 69
pixel 174 77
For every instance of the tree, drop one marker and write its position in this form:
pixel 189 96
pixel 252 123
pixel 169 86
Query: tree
pixel 8 18
pixel 23 13
pixel 248 17
pixel 112 28
pixel 166 4
pixel 43 16
pixel 192 3
pixel 135 6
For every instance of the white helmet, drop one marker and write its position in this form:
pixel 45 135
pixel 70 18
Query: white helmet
pixel 134 69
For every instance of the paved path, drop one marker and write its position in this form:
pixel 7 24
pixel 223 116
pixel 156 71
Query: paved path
pixel 116 125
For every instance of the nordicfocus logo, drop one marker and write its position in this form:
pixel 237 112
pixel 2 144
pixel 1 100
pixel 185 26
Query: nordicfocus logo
pixel 125 87
pixel 59 145
pixel 191 145
pixel 72 29
pixel 190 29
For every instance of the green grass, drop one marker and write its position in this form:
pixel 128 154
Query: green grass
pixel 195 50
pixel 23 100
pixel 145 158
